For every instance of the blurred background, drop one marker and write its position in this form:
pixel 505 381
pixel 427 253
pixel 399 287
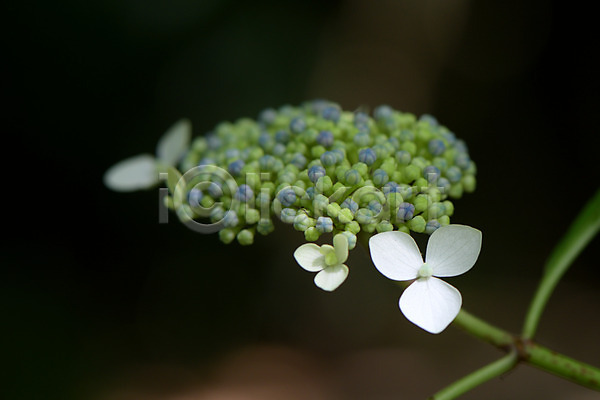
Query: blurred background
pixel 99 301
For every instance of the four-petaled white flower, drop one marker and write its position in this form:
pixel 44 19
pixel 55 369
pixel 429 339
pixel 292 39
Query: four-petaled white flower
pixel 428 302
pixel 141 171
pixel 327 260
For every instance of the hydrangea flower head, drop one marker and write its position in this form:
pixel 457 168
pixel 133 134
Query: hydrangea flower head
pixel 428 301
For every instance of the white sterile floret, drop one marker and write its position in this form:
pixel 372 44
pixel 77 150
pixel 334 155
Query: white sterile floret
pixel 141 171
pixel 327 260
pixel 428 302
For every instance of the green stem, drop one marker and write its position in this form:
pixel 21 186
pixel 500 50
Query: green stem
pixel 528 351
pixel 483 330
pixel 561 365
pixel 580 233
pixel 477 377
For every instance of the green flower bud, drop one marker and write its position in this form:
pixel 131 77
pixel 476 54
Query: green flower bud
pixel 411 173
pixel 449 207
pixel 353 227
pixel 311 234
pixel 227 235
pixel 421 203
pixel 316 151
pixel 345 216
pixel 436 210
pixel 444 220
pixel 245 237
pixel 456 190
pixel 468 182
pixel 252 216
pixel 324 185
pixel 384 226
pixel 362 168
pixel 265 226
pixel 333 210
pixel 417 224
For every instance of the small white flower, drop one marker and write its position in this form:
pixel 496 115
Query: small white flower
pixel 141 171
pixel 428 302
pixel 327 260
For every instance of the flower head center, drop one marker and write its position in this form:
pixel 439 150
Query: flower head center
pixel 426 271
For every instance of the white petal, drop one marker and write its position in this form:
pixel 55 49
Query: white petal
pixel 174 143
pixel 452 250
pixel 396 255
pixel 340 244
pixel 430 303
pixel 309 257
pixel 134 173
pixel 331 277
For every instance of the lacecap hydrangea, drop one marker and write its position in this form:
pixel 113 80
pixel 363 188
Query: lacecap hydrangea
pixel 322 170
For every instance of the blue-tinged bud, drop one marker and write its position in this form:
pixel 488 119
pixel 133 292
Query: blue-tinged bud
pixel 297 125
pixel 382 112
pixel 352 177
pixel 329 158
pixel 267 162
pixel 230 219
pixel 365 216
pixel 454 174
pixel 288 215
pixel 431 173
pixel 194 197
pixel 287 197
pixel 213 142
pixel 331 113
pixel 217 214
pixel 279 149
pixel 267 116
pixel 235 168
pixel 403 157
pixel 367 156
pixel 350 204
pixel 232 153
pixel 315 172
pixel 375 206
pixel 436 147
pixel 298 160
pixel 310 192
pixel 380 177
pixel 394 142
pixel 302 222
pixel 282 136
pixel 430 119
pixel 207 161
pixel 432 226
pixel 340 155
pixel 460 146
pixel 362 139
pixel 462 160
pixel 444 185
pixel 325 138
pixel 391 187
pixel 436 210
pixel 244 193
pixel 449 136
pixel 351 239
pixel 324 224
pixel 406 211
pixel 265 140
pixel 361 118
pixel 215 190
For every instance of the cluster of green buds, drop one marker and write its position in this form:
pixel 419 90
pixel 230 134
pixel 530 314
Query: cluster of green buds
pixel 322 170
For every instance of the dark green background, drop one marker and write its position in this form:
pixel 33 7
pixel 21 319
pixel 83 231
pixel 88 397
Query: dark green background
pixel 93 287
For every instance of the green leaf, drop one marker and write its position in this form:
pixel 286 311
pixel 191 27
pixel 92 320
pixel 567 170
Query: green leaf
pixel 579 234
